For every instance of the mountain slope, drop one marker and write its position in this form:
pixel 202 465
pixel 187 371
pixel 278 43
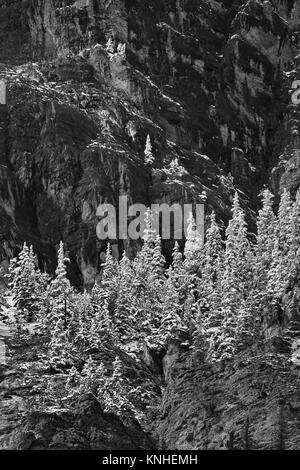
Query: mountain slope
pixel 87 81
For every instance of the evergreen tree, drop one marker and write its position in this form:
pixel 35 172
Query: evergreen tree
pixel 110 45
pixel 59 348
pixel 171 326
pixel 210 295
pixel 267 230
pixel 107 290
pixel 236 278
pixel 212 271
pixel 61 294
pixel 279 274
pixel 203 343
pixel 193 247
pixel 125 317
pixel 80 324
pixel 25 285
pixel 193 253
pixel 295 238
pixel 114 391
pixel 175 170
pixel 149 263
pixel 177 274
pixel 149 159
pixel 103 331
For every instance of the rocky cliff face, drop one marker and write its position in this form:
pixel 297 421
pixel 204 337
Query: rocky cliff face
pixel 251 404
pixel 208 80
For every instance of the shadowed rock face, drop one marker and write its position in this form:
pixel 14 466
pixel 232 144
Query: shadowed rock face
pixel 250 404
pixel 83 426
pixel 208 80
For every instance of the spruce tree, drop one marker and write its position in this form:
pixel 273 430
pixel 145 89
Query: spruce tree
pixel 193 247
pixel 59 347
pixel 125 318
pixel 236 280
pixel 171 327
pixel 27 286
pixel 210 294
pixel 149 159
pixel 107 290
pixel 295 239
pixel 61 294
pixel 212 271
pixel 102 332
pixel 281 268
pixel 177 274
pixel 267 230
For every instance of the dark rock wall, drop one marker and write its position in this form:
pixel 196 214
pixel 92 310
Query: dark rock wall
pixel 209 81
pixel 252 403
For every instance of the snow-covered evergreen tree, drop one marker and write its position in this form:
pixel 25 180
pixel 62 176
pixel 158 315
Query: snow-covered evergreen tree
pixel 61 294
pixel 114 391
pixel 102 333
pixel 295 238
pixel 193 246
pixel 171 326
pixel 59 347
pixel 210 288
pixel 149 158
pixel 126 318
pixel 237 278
pixel 283 260
pixel 267 230
pixel 177 274
pixel 26 286
pixel 106 291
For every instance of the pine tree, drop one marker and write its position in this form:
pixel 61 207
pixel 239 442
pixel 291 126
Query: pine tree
pixel 175 170
pixel 171 326
pixel 148 282
pixel 59 348
pixel 236 278
pixel 110 45
pixel 212 269
pixel 157 262
pixel 193 247
pixel 149 159
pixel 107 290
pixel 177 274
pixel 26 285
pixel 193 253
pixel 102 333
pixel 210 294
pixel 295 238
pixel 149 261
pixel 203 344
pixel 125 317
pixel 246 324
pixel 114 391
pixel 79 328
pixel 267 234
pixel 61 293
pixel 285 222
pixel 293 328
pixel 279 274
pixel 267 229
pixel 276 275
